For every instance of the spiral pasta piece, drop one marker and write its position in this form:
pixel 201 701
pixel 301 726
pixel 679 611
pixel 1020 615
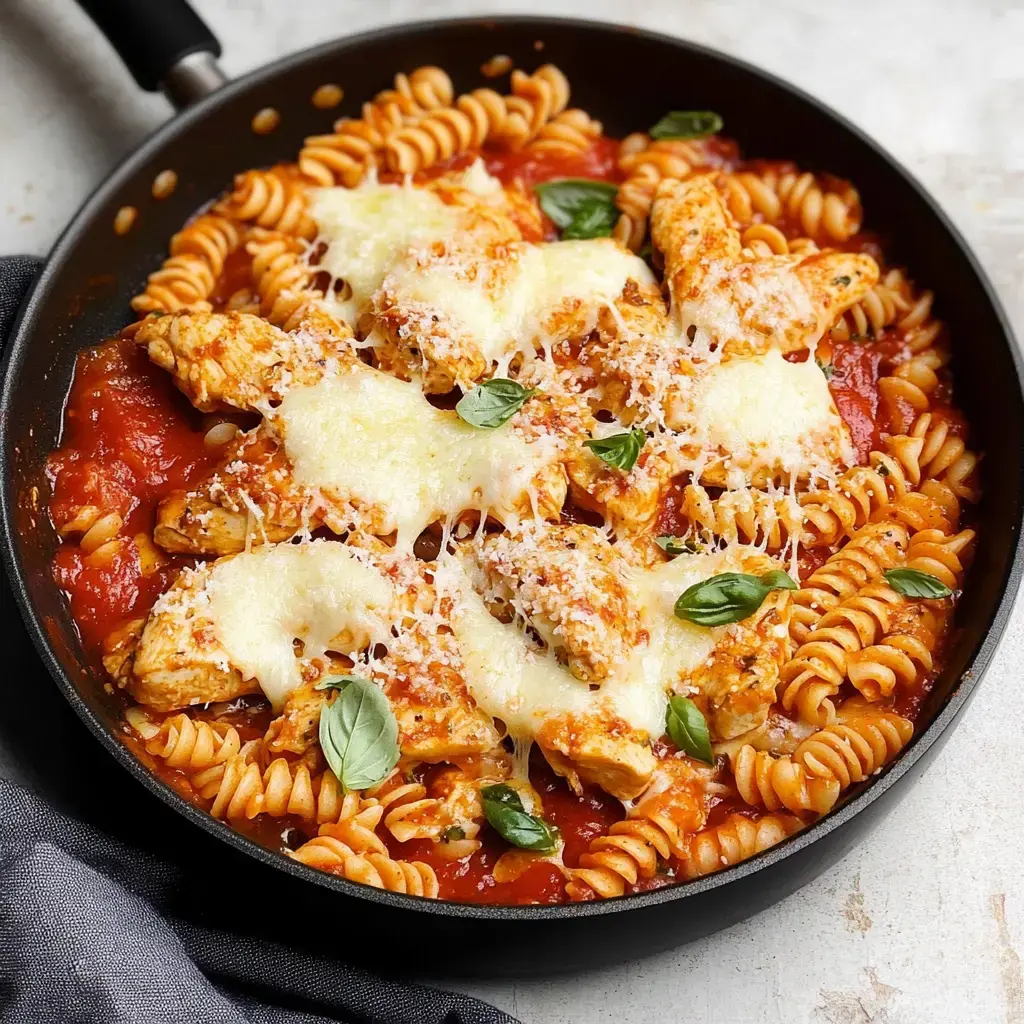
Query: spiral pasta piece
pixel 764 780
pixel 871 550
pixel 860 743
pixel 825 764
pixel 735 840
pixel 485 116
pixel 889 301
pixel 329 852
pixel 570 133
pixel 189 275
pixel 238 788
pixel 794 198
pixel 281 277
pixel 881 490
pixel 750 516
pixel 406 808
pixel 644 169
pixel 900 658
pixel 629 851
pixel 762 240
pixel 911 385
pixel 193 745
pixel 945 456
pixel 939 555
pixel 270 199
pixel 343 157
pixel 354 147
pixel 819 667
pixel 435 139
pixel 535 99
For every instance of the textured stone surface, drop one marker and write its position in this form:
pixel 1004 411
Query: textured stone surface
pixel 925 921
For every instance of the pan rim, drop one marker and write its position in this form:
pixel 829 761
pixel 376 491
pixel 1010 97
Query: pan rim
pixel 16 349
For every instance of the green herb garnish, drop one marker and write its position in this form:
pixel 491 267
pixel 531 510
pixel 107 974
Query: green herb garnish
pixel 493 403
pixel 619 450
pixel 729 597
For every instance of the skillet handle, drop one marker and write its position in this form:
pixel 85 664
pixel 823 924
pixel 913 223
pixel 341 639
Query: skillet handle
pixel 163 43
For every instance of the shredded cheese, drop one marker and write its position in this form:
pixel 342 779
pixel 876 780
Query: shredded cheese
pixel 508 301
pixel 321 593
pixel 766 412
pixel 372 439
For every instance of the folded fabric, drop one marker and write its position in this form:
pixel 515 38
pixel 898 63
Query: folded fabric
pixel 96 929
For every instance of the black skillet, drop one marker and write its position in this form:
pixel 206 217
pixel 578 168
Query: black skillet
pixel 628 79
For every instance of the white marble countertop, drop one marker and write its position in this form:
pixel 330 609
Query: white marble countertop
pixel 924 922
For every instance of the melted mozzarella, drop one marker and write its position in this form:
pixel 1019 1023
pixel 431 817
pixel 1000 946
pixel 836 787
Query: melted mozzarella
pixel 683 646
pixel 376 440
pixel 503 300
pixel 367 228
pixel 321 593
pixel 766 411
pixel 512 679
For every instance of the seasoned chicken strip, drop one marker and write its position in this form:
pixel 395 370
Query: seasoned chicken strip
pixel 267 620
pixel 241 361
pixel 584 748
pixel 350 476
pixel 738 305
pixel 568 582
pixel 456 314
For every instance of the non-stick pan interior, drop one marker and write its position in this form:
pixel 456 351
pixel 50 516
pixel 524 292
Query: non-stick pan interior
pixel 625 78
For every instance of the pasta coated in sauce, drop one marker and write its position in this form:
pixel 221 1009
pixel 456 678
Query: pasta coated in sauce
pixel 645 568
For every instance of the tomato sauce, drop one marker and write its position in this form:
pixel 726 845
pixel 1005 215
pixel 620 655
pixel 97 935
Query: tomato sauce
pixel 129 439
pixel 579 819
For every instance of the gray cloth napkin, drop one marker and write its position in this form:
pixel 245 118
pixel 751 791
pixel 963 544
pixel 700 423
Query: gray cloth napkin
pixel 119 911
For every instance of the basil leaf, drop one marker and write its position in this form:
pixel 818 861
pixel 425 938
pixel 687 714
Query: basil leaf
pixel 337 682
pixel 492 403
pixel 687 124
pixel 359 735
pixel 592 220
pixel 619 450
pixel 581 208
pixel 678 545
pixel 914 583
pixel 778 580
pixel 728 597
pixel 503 794
pixel 504 811
pixel 826 368
pixel 688 729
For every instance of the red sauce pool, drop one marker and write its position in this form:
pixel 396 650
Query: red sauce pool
pixel 129 438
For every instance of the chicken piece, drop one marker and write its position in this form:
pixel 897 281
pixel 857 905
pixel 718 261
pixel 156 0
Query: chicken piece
pixel 421 676
pixel 250 494
pixel 739 305
pixel 296 730
pixel 454 313
pixel 267 619
pixel 677 798
pixel 179 661
pixel 494 214
pixel 628 500
pixel 738 681
pixel 352 473
pixel 567 581
pixel 119 649
pixel 634 365
pixel 239 360
pixel 603 752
